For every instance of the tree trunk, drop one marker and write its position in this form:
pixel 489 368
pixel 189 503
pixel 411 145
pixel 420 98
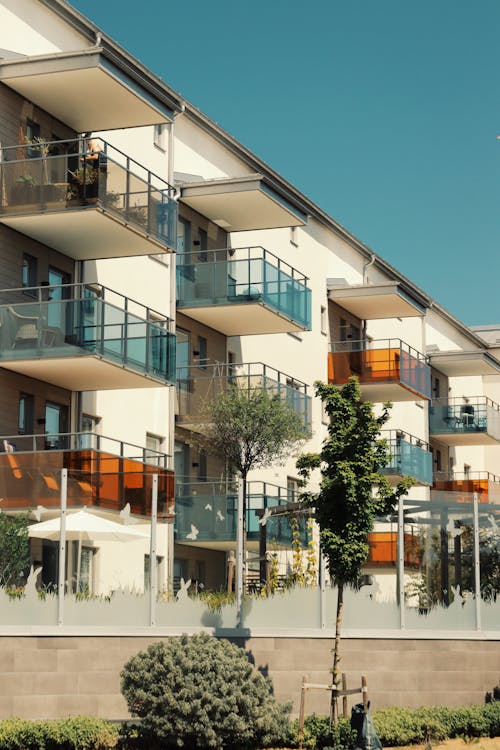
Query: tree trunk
pixel 334 709
pixel 244 561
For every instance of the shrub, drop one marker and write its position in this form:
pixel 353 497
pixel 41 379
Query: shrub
pixel 202 692
pixel 76 733
pixel 404 726
pixel 319 735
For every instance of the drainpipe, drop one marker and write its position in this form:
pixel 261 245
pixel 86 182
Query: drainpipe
pixel 367 266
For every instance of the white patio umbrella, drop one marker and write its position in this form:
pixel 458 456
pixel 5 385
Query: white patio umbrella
pixel 83 526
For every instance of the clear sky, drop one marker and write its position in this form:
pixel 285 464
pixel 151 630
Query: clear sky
pixel 384 112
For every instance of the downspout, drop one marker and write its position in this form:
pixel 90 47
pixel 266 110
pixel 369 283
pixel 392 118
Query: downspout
pixel 367 266
pixel 365 269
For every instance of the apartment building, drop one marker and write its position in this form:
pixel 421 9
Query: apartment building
pixel 178 240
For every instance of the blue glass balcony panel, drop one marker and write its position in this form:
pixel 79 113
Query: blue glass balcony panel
pixel 408 456
pixel 474 420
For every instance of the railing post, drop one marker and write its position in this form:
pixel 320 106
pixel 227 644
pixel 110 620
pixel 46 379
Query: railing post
pixel 62 548
pixel 125 332
pixel 401 565
pixel 477 570
pixel 153 582
pixel 239 556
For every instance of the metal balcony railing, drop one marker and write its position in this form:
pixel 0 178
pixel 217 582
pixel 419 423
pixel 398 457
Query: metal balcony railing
pixel 74 320
pixel 463 416
pixel 408 456
pixel 243 275
pixel 46 176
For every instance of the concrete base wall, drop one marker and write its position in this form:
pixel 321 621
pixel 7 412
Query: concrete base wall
pixel 53 677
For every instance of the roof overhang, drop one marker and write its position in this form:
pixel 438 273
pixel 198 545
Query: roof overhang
pixel 239 204
pixel 377 301
pixel 457 364
pixel 85 90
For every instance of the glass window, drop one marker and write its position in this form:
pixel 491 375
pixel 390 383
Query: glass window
pixel 293 489
pixel 182 352
pixel 160 137
pixel 29 272
pixel 26 411
pixel 153 449
pixel 202 466
pixel 32 134
pixel 202 245
pixel 183 239
pixel 324 320
pixel 202 352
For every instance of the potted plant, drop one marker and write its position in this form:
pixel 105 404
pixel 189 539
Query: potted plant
pixel 23 190
pixel 84 185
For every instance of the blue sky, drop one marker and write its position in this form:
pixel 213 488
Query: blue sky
pixel 385 113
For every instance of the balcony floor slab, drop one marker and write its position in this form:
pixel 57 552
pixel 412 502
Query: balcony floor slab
pixel 242 318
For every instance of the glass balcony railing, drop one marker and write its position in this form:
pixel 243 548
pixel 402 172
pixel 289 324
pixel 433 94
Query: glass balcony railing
pixel 465 419
pixel 207 512
pixel 77 320
pixel 379 362
pixel 241 276
pixel 55 176
pixel 384 550
pixel 199 385
pixel 408 456
pixel 102 472
pixel 460 487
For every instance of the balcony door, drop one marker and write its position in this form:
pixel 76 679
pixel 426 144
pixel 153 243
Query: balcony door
pixel 56 424
pixel 58 309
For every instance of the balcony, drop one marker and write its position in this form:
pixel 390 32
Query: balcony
pixel 91 89
pixel 84 337
pixel 408 457
pixel 464 486
pixel 465 421
pixel 384 550
pixel 206 515
pixel 240 204
pixel 388 369
pixel 243 291
pixel 378 301
pixel 54 194
pixel 199 385
pixel 102 473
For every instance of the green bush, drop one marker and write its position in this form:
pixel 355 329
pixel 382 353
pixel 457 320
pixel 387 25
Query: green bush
pixel 319 735
pixel 202 692
pixel 405 726
pixel 76 733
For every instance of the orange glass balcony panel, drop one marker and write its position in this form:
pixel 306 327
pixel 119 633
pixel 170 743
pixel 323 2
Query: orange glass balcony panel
pixel 465 486
pixel 95 479
pixel 371 366
pixel 383 549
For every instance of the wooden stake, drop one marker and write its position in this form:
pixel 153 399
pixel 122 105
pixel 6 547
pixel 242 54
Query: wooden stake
pixel 302 712
pixel 344 698
pixel 364 691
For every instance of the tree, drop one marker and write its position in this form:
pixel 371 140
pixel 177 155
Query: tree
pixel 353 492
pixel 252 429
pixel 14 549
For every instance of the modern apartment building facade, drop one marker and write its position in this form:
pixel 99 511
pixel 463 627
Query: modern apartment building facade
pixel 179 243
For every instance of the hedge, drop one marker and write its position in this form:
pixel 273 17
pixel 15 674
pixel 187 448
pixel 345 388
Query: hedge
pixel 75 733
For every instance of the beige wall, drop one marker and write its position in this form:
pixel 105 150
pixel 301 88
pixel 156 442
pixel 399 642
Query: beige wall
pixel 51 677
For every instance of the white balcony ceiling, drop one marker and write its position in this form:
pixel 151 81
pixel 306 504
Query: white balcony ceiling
pixel 83 90
pixel 458 364
pixel 376 301
pixel 244 318
pixel 241 204
pixel 86 233
pixel 81 373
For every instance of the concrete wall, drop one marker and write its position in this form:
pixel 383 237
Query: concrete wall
pixel 49 677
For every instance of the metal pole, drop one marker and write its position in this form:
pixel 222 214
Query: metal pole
pixel 239 555
pixel 401 564
pixel 153 582
pixel 62 548
pixel 477 571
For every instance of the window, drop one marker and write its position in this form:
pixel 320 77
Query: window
pixel 26 412
pixel 202 353
pixel 183 360
pixel 202 245
pixel 29 273
pixel 202 466
pixel 153 449
pixel 89 424
pixel 436 389
pixel 32 133
pixel 160 137
pixel 183 240
pixel 82 570
pixel 293 489
pixel 324 320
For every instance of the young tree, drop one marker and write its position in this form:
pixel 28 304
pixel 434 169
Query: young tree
pixel 14 549
pixel 353 492
pixel 252 429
